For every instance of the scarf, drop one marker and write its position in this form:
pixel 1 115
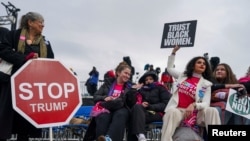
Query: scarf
pixel 191 122
pixel 39 40
pixel 151 86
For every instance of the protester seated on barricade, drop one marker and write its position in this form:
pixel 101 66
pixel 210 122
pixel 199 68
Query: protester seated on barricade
pixel 112 103
pixel 224 80
pixel 189 104
pixel 152 98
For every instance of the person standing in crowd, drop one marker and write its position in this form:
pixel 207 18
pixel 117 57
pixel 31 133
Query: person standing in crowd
pixel 166 79
pixel 224 80
pixel 92 81
pixel 152 99
pixel 21 45
pixel 189 104
pixel 112 103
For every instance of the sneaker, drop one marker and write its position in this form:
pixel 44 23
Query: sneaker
pixel 104 138
pixel 108 138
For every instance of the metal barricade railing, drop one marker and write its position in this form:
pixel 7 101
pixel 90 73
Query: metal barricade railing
pixel 154 132
pixel 59 133
pixel 83 88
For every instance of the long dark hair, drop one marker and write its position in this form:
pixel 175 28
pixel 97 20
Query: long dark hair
pixel 207 74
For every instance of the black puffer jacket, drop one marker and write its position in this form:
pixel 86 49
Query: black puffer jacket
pixel 156 95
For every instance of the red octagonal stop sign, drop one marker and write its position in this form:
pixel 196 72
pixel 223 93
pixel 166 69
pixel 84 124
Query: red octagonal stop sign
pixel 45 93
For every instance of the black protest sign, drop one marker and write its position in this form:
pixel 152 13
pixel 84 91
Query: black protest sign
pixel 179 33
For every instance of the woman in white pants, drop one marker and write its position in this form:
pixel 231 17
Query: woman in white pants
pixel 189 104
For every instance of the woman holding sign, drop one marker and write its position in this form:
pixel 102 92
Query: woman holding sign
pixel 21 45
pixel 189 105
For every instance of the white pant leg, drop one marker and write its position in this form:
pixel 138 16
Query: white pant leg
pixel 208 116
pixel 171 120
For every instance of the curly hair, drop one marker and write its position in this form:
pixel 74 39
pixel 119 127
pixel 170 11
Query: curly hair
pixel 207 74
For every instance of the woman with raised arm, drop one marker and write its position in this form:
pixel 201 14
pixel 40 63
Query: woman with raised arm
pixel 189 105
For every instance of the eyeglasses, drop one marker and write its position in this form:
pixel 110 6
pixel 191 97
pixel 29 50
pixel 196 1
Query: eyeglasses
pixel 40 22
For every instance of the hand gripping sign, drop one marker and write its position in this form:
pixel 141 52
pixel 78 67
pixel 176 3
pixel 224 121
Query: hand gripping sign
pixel 238 105
pixel 45 93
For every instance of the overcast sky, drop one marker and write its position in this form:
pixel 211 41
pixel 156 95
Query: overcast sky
pixel 87 33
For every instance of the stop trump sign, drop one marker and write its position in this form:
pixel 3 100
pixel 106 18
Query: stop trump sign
pixel 45 92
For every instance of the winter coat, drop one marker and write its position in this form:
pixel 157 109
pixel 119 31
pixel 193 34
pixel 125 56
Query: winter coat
pixel 128 97
pixel 3 31
pixel 10 121
pixel 156 95
pixel 203 85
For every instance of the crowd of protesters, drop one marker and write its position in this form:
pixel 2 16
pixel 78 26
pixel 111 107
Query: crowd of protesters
pixel 184 102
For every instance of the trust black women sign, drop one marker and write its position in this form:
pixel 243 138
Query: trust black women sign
pixel 179 33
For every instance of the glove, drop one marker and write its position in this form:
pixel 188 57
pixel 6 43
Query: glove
pixel 29 56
